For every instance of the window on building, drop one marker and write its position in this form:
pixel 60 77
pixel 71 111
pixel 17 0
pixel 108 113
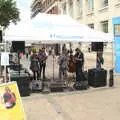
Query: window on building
pixel 48 2
pixel 117 29
pixel 104 25
pixel 90 5
pixel 104 3
pixel 91 25
pixel 43 6
pixel 80 2
pixel 64 9
pixel 79 7
pixel 71 8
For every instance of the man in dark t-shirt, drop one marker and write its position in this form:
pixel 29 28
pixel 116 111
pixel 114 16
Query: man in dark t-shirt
pixel 79 62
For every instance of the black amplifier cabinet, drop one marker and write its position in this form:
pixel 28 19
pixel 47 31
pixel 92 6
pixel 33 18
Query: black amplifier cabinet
pixel 97 77
pixel 23 81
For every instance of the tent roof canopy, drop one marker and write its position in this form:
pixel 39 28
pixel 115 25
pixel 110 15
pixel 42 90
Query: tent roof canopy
pixel 55 29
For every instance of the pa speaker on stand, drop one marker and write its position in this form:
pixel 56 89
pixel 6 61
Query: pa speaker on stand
pixel 18 46
pixel 97 46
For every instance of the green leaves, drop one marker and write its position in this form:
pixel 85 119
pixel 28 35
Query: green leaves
pixel 8 13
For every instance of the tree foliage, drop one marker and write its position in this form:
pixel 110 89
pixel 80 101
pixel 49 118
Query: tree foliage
pixel 8 13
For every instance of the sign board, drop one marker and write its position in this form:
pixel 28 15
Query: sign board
pixel 116 30
pixel 4 58
pixel 10 102
pixel 117 47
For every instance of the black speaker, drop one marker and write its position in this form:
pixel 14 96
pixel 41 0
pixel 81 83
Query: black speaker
pixel 0 36
pixel 18 46
pixel 97 46
pixel 23 81
pixel 97 77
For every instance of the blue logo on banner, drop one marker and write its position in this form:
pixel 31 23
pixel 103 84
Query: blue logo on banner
pixel 65 36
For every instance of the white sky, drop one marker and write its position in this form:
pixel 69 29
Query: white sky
pixel 24 6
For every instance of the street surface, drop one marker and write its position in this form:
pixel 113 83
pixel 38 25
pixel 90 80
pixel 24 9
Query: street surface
pixel 98 104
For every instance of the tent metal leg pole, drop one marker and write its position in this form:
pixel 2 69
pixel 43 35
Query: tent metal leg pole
pixel 53 67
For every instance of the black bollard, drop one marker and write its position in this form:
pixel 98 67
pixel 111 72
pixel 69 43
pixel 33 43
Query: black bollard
pixel 111 81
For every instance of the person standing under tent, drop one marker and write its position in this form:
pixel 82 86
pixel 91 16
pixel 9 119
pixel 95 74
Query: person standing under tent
pixel 26 52
pixel 79 62
pixel 42 61
pixel 63 65
pixel 99 60
pixel 71 63
pixel 34 65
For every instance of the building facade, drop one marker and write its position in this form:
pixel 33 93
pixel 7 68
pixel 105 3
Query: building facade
pixel 45 6
pixel 97 14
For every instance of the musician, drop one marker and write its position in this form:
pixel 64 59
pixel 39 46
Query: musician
pixel 42 61
pixel 79 62
pixel 99 60
pixel 71 62
pixel 62 61
pixel 34 66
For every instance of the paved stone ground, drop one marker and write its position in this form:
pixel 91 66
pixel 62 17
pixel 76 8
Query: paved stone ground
pixel 99 104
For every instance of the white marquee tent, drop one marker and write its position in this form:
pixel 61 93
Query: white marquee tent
pixel 54 29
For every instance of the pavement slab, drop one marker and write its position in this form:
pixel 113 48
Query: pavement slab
pixel 94 105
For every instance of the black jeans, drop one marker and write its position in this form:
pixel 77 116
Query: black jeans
pixel 35 75
pixel 79 73
pixel 42 68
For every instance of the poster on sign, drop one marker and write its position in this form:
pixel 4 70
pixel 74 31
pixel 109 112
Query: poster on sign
pixel 11 107
pixel 4 58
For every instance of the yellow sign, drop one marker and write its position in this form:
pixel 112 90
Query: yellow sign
pixel 10 102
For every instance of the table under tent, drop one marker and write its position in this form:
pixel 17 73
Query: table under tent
pixel 57 29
